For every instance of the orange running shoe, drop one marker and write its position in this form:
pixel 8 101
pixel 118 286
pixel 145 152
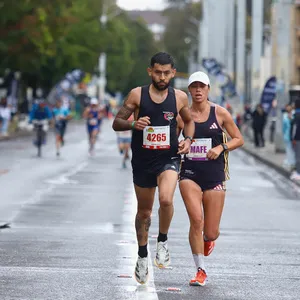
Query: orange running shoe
pixel 208 247
pixel 200 278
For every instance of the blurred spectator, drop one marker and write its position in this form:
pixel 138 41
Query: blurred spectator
pixel 238 120
pixel 290 160
pixel 247 117
pixel 296 139
pixel 5 114
pixel 259 118
pixel 273 115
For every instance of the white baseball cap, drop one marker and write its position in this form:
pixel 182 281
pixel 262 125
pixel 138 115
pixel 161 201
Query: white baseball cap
pixel 199 76
pixel 94 101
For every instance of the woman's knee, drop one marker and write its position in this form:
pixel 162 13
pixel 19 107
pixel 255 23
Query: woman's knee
pixel 211 235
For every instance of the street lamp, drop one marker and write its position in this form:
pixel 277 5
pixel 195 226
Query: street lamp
pixel 102 61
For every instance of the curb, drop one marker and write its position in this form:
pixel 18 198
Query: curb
pixel 272 165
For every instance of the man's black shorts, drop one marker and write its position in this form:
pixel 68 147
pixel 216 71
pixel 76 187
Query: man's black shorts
pixel 147 178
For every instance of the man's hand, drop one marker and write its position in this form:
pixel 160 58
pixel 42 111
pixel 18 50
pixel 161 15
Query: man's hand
pixel 184 146
pixel 215 152
pixel 141 123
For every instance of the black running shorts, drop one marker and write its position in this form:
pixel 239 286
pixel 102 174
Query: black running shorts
pixel 147 178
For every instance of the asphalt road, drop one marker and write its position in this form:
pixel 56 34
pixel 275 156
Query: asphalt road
pixel 72 235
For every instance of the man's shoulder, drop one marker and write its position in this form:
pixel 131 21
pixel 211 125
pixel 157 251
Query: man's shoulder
pixel 135 94
pixel 180 94
pixel 136 91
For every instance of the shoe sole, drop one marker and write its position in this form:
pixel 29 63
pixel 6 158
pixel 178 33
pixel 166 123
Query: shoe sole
pixel 197 283
pixel 162 266
pixel 142 282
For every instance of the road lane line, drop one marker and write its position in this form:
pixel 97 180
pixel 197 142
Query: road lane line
pixel 143 292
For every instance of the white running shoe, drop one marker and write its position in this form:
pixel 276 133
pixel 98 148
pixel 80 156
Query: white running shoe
pixel 141 270
pixel 162 258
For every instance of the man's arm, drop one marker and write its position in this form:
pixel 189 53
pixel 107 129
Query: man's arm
pixel 189 125
pixel 121 122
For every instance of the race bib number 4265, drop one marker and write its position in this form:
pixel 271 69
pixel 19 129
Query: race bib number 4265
pixel 156 137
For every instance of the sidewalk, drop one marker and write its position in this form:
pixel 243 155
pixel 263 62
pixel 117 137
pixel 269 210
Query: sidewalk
pixel 268 156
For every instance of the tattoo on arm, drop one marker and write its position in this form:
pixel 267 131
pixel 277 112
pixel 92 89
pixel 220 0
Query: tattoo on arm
pixel 121 120
pixel 125 112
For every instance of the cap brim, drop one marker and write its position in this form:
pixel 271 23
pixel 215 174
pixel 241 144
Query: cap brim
pixel 197 80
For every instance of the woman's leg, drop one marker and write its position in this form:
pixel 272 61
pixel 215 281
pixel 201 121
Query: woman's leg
pixel 192 197
pixel 213 203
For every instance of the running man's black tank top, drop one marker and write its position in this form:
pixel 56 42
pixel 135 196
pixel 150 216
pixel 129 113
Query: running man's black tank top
pixel 211 170
pixel 163 114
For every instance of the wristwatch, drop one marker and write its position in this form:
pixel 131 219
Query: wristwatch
pixel 188 138
pixel 225 147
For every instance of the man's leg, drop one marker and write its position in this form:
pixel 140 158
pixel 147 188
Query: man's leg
pixel 256 139
pixel 58 143
pixel 145 199
pixel 126 154
pixel 93 137
pixel 166 181
pixel 262 138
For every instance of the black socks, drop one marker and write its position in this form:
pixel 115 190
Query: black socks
pixel 162 237
pixel 143 252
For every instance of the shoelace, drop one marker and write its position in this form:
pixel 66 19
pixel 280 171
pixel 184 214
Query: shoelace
pixel 162 246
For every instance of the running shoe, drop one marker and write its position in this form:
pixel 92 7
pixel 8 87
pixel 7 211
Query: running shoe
pixel 141 270
pixel 162 258
pixel 199 279
pixel 208 247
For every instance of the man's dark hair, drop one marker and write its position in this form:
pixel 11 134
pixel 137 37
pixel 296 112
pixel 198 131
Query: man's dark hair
pixel 162 58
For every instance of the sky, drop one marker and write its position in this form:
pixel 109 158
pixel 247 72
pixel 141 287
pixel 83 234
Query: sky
pixel 141 4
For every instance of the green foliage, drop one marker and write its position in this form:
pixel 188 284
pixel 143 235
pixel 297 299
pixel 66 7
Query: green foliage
pixel 181 32
pixel 46 39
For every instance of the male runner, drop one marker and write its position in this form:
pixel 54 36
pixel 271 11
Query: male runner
pixel 124 143
pixel 155 153
pixel 92 114
pixel 205 169
pixel 61 116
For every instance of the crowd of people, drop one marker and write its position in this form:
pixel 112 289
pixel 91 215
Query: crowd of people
pixel 254 124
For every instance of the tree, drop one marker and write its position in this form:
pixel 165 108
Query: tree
pixel 46 39
pixel 145 47
pixel 180 30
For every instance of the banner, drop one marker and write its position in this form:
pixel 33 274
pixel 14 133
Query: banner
pixel 268 94
pixel 214 68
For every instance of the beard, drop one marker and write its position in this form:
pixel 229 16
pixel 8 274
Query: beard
pixel 159 87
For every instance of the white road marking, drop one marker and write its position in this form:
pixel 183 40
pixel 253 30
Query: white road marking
pixel 143 292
